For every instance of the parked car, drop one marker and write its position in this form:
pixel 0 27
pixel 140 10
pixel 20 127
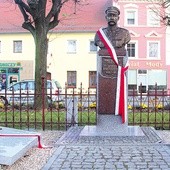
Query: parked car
pixel 23 92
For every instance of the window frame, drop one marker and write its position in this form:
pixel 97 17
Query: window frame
pixel 149 21
pixel 92 79
pixel 136 49
pixel 94 49
pixel 148 50
pixel 17 49
pixel 73 78
pixel 135 11
pixel 70 49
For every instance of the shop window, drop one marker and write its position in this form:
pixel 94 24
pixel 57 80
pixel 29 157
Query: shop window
pixel 92 79
pixel 71 44
pixel 13 70
pixel 93 48
pixel 158 87
pixel 71 79
pixel 158 77
pixel 17 46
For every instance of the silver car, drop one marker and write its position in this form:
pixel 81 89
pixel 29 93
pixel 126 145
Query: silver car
pixel 23 92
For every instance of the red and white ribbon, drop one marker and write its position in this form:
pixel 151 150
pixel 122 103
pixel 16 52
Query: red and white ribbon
pixel 121 96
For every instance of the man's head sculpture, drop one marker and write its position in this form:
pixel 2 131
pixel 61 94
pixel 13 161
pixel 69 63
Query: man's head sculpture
pixel 112 9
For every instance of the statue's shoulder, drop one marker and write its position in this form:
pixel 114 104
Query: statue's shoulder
pixel 123 30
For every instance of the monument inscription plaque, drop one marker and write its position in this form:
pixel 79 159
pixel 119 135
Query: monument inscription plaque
pixel 107 83
pixel 109 68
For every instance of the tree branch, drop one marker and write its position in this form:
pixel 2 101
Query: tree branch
pixel 52 17
pixel 28 26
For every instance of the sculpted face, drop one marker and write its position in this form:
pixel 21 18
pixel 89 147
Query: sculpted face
pixel 112 15
pixel 112 18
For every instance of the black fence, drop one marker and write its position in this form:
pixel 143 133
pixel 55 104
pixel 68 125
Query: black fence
pixel 76 107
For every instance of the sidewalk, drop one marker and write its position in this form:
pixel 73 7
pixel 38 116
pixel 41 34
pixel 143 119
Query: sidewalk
pixel 109 153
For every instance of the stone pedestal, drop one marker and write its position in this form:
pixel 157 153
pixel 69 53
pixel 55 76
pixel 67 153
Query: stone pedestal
pixel 111 125
pixel 106 84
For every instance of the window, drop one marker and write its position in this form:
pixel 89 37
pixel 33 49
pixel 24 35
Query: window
pixel 13 70
pixel 92 79
pixel 93 48
pixel 71 46
pixel 153 18
pixel 153 50
pixel 71 78
pixel 0 46
pixel 131 48
pixel 17 46
pixel 131 17
pixel 31 85
pixel 132 82
pixel 19 86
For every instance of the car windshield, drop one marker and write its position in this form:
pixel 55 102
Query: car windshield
pixel 58 84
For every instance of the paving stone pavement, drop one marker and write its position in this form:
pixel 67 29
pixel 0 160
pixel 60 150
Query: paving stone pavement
pixel 109 153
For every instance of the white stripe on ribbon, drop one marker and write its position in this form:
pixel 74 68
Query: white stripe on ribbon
pixel 107 41
pixel 125 97
pixel 118 91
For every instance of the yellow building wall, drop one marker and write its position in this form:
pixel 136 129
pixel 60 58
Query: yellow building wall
pixel 82 61
pixel 59 60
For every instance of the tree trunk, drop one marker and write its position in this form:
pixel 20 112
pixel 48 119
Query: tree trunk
pixel 41 45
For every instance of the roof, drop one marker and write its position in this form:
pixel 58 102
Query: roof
pixel 86 17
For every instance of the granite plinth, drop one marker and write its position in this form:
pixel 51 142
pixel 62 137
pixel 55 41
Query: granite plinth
pixel 13 148
pixel 98 131
pixel 111 125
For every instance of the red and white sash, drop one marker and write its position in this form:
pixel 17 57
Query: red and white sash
pixel 121 96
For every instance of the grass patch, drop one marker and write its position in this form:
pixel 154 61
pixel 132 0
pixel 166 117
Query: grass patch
pixel 58 120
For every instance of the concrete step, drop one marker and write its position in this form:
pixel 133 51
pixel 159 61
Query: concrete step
pixel 13 148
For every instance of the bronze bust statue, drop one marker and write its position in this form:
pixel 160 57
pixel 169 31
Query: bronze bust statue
pixel 118 36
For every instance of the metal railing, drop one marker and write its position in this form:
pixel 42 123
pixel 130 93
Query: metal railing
pixel 77 107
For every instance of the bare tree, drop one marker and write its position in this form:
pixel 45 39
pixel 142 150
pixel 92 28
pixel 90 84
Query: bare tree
pixel 164 14
pixel 39 22
pixel 166 18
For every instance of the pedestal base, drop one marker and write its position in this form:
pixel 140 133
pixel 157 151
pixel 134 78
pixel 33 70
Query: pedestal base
pixel 111 125
pixel 96 131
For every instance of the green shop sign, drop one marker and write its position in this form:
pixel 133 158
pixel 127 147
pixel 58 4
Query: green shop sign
pixel 18 64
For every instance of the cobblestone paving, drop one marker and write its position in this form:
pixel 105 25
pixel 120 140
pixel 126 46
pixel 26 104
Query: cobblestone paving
pixel 151 157
pixel 72 137
pixel 110 153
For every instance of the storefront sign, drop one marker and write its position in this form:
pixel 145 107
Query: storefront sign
pixel 145 64
pixel 10 64
pixel 154 64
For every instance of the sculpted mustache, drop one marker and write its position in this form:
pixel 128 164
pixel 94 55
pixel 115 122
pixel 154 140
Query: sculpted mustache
pixel 112 21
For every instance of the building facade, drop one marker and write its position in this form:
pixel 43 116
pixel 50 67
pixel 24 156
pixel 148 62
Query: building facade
pixel 72 54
